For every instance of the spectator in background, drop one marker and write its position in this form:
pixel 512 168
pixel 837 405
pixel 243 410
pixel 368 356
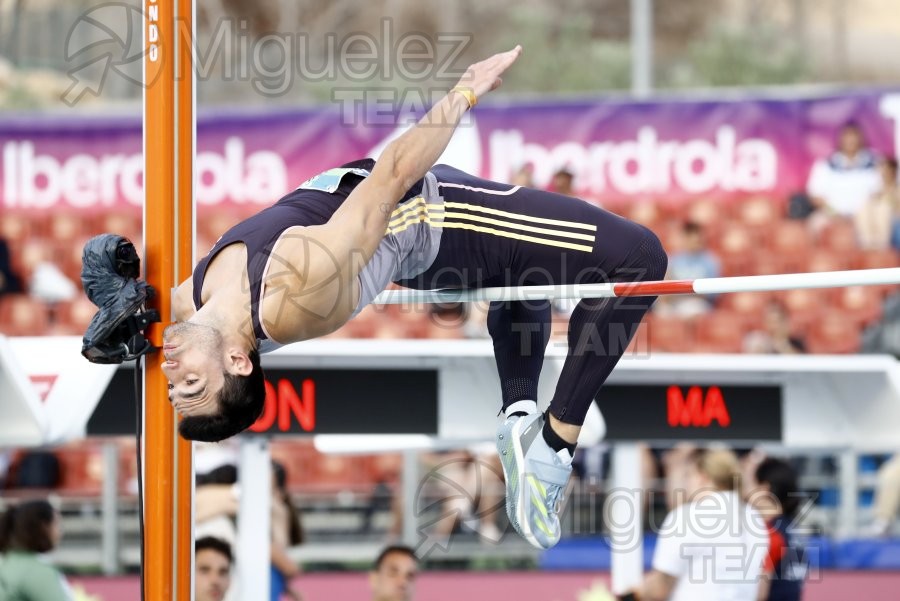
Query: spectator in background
pixel 524 176
pixel 694 261
pixel 775 495
pixel 10 282
pixel 216 503
pixel 713 546
pixel 27 531
pixel 447 320
pixel 887 497
pixel 286 532
pixel 468 483
pixel 878 221
pixel 775 337
pixel 212 569
pixel 562 182
pixel 841 184
pixel 393 577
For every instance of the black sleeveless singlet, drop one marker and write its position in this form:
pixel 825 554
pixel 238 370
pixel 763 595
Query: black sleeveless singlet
pixel 259 233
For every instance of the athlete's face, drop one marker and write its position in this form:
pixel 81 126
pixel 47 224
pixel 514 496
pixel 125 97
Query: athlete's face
pixel 194 365
pixel 395 578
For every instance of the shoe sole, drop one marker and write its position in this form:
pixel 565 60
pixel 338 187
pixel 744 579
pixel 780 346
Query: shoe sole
pixel 523 527
pixel 510 510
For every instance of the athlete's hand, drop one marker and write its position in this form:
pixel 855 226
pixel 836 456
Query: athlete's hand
pixel 484 76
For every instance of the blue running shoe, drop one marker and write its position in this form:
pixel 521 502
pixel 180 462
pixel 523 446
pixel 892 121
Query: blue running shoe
pixel 536 478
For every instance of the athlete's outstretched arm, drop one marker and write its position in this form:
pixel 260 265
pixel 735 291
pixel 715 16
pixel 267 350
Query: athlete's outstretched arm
pixel 362 219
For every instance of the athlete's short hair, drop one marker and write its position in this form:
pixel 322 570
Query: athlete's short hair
pixel 241 401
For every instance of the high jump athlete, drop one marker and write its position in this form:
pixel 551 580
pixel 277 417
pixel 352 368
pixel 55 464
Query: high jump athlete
pixel 304 266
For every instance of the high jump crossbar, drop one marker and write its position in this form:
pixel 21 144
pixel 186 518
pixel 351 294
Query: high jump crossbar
pixel 752 283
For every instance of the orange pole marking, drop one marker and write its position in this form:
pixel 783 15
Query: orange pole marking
pixel 168 237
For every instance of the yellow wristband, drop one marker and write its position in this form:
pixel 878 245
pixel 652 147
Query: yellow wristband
pixel 468 94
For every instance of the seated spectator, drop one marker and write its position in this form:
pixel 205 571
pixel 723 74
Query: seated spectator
pixel 713 546
pixel 27 531
pixel 775 495
pixel 212 569
pixel 775 337
pixel 694 261
pixel 841 184
pixel 468 484
pixel 446 320
pixel 216 505
pixel 879 217
pixel 10 282
pixel 393 577
pixel 524 176
pixel 562 182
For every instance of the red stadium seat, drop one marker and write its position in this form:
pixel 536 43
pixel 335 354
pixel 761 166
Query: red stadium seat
pixel 76 314
pixel 792 245
pixel 804 305
pixel 123 223
pixel 721 330
pixel 707 212
pixel 877 259
pixel 81 469
pixel 766 262
pixel 669 334
pixel 14 228
pixel 30 253
pixel 829 260
pixel 833 333
pixel 749 305
pixel 21 315
pixel 862 304
pixel 759 213
pixel 840 236
pixel 880 259
pixel 735 238
pixel 640 342
pixel 645 213
pixel 735 246
pixel 791 236
pixel 310 471
pixel 65 227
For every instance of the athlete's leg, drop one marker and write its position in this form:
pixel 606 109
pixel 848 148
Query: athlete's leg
pixel 520 332
pixel 600 329
pixel 495 234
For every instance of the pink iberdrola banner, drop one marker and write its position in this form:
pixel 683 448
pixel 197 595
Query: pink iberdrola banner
pixel 671 150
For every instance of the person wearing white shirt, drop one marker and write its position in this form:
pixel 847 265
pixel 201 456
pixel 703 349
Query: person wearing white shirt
pixel 842 183
pixel 713 546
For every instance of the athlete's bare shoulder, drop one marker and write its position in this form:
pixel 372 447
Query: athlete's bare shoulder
pixel 309 290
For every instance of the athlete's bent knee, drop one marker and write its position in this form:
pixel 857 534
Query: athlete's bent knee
pixel 649 258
